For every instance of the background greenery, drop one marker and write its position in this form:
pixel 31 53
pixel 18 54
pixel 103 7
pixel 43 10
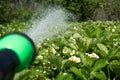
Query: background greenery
pixel 21 10
pixel 88 50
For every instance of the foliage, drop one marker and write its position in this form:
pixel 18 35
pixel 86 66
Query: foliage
pixel 82 10
pixel 14 10
pixel 88 9
pixel 85 51
pixel 12 27
pixel 112 8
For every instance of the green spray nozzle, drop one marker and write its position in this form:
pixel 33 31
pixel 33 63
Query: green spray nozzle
pixel 21 45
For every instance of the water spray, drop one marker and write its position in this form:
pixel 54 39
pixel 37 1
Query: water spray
pixel 17 51
pixel 53 23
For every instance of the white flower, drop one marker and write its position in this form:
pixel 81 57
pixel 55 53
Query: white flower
pixel 114 39
pixel 77 52
pixel 75 28
pixel 115 44
pixel 37 76
pixel 56 47
pixel 32 26
pixel 52 50
pixel 44 72
pixel 40 57
pixel 64 73
pixel 47 39
pixel 93 55
pixel 46 50
pixel 53 45
pixel 114 27
pixel 58 54
pixel 113 30
pixel 71 38
pixel 45 54
pixel 65 50
pixel 73 52
pixel 54 68
pixel 75 59
pixel 44 63
pixel 48 62
pixel 37 70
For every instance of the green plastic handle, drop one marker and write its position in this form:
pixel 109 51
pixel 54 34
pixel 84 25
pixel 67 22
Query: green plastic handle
pixel 22 45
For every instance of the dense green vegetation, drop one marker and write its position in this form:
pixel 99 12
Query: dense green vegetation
pixel 85 51
pixel 22 10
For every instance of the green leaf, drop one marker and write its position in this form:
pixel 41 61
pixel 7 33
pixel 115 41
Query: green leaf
pixel 97 32
pixel 99 64
pixel 21 75
pixel 88 42
pixel 78 73
pixel 64 76
pixel 113 53
pixel 36 61
pixel 55 60
pixel 72 46
pixel 115 66
pixel 76 35
pixel 68 77
pixel 87 61
pixel 115 62
pixel 67 63
pixel 99 75
pixel 102 48
pixel 60 76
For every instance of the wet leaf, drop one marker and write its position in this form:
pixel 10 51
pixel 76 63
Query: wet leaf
pixel 102 48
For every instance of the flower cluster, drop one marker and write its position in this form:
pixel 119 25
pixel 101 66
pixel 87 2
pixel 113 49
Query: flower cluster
pixel 39 57
pixel 52 49
pixel 114 28
pixel 65 51
pixel 74 59
pixel 76 51
pixel 72 52
pixel 93 55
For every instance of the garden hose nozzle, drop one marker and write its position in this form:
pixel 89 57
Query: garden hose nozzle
pixel 17 51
